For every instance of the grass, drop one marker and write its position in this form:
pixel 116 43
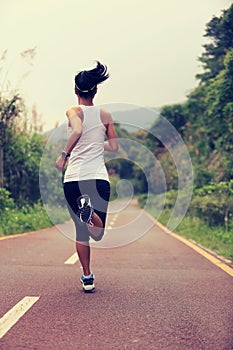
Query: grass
pixel 214 238
pixel 26 219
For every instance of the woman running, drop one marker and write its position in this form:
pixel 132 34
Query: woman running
pixel 86 181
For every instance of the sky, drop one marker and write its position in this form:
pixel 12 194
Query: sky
pixel 151 48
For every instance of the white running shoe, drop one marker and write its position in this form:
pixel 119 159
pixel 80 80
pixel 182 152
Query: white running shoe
pixel 88 283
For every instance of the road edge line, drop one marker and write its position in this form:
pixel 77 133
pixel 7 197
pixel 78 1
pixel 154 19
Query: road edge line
pixel 198 249
pixel 17 235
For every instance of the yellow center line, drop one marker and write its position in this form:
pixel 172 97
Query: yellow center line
pixel 195 247
pixel 14 314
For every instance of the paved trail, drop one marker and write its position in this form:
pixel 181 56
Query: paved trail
pixel 155 293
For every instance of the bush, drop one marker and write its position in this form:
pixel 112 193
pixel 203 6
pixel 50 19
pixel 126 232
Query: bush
pixel 142 200
pixel 29 218
pixel 113 183
pixel 6 202
pixel 209 208
pixel 23 220
pixel 157 200
pixel 213 203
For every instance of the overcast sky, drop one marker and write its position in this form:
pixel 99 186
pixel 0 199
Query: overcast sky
pixel 150 47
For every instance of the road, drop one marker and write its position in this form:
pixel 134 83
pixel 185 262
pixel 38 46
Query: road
pixel 155 293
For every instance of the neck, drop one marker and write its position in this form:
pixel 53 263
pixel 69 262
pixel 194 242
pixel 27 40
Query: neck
pixel 85 101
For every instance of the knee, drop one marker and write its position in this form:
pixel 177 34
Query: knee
pixel 98 237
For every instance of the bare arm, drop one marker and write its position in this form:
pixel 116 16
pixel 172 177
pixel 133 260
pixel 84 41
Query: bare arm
pixel 76 125
pixel 112 144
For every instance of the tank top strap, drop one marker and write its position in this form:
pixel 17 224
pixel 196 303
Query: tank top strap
pixel 91 115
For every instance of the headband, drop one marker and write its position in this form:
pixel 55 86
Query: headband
pixel 93 87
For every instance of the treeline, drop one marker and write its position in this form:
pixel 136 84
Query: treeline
pixel 205 122
pixel 21 148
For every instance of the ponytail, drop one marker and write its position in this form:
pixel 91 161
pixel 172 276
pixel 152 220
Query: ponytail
pixel 86 81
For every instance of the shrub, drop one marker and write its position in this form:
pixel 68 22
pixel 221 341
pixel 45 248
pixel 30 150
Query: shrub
pixel 213 203
pixel 6 202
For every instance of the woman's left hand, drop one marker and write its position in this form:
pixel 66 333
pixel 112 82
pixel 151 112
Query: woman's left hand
pixel 60 163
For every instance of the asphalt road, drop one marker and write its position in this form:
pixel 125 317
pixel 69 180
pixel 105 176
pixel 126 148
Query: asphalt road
pixel 155 293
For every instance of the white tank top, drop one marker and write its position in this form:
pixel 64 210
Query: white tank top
pixel 86 161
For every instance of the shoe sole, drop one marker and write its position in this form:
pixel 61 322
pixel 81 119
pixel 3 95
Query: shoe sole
pixel 88 288
pixel 88 201
pixel 86 198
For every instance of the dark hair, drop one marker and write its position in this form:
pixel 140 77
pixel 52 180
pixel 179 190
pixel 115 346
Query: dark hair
pixel 86 81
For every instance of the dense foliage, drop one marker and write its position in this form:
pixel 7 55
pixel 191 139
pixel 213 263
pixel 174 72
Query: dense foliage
pixel 205 122
pixel 21 149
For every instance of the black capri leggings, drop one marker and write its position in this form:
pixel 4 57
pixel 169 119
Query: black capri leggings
pixel 99 193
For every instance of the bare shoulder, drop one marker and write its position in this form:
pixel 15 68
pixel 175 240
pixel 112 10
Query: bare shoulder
pixel 105 116
pixel 74 112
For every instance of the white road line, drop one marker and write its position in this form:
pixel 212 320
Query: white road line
pixel 14 314
pixel 111 224
pixel 115 217
pixel 72 260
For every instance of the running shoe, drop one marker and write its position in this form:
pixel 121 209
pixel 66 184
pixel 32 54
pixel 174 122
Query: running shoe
pixel 88 283
pixel 85 209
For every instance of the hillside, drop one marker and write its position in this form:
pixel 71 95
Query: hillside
pixel 131 119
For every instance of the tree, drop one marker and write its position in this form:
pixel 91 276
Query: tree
pixel 9 110
pixel 22 163
pixel 175 115
pixel 21 148
pixel 220 111
pixel 10 102
pixel 220 31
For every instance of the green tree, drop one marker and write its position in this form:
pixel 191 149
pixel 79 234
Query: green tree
pixel 21 149
pixel 220 31
pixel 209 108
pixel 175 114
pixel 9 110
pixel 22 162
pixel 219 116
